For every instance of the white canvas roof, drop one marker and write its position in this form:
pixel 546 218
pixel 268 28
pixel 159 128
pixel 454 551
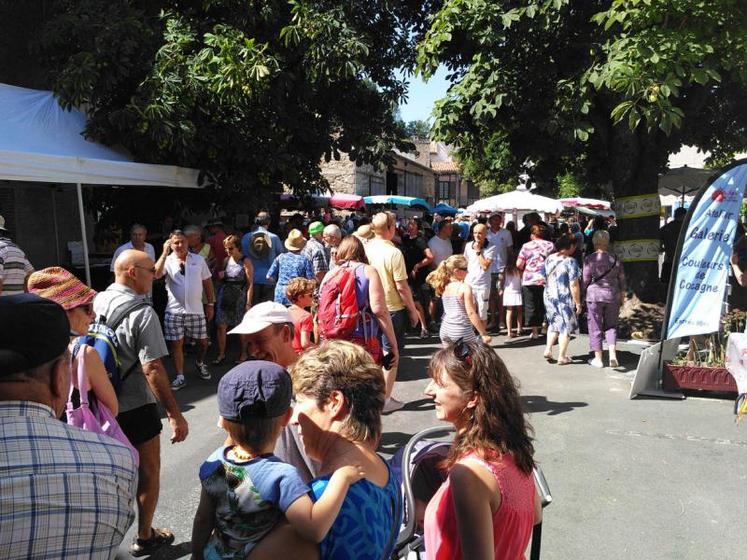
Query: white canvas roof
pixel 42 142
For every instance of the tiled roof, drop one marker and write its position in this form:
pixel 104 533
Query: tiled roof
pixel 445 166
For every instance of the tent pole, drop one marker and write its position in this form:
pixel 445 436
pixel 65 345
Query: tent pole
pixel 81 213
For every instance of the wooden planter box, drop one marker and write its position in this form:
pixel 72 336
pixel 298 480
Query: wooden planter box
pixel 699 378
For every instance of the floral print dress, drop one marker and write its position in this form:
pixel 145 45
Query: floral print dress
pixel 559 273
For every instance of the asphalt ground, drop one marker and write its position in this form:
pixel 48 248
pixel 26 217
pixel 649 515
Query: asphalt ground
pixel 640 479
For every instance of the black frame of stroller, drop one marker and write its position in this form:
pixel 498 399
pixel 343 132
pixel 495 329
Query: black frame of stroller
pixel 406 540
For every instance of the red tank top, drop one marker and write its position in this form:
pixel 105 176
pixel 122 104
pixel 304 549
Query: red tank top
pixel 512 523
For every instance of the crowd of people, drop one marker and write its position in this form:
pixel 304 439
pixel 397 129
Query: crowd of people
pixel 318 313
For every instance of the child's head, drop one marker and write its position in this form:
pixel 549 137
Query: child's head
pixel 300 291
pixel 254 401
pixel 453 268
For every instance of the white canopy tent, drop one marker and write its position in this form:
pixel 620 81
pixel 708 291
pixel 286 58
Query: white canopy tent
pixel 42 142
pixel 515 201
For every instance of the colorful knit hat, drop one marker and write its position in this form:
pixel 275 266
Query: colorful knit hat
pixel 61 286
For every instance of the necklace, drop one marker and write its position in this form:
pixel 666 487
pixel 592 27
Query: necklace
pixel 240 455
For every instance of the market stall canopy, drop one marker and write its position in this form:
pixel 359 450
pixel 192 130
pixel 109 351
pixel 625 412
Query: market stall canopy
pixel 42 142
pixel 396 200
pixel 683 180
pixel 445 209
pixel 580 202
pixel 344 201
pixel 519 200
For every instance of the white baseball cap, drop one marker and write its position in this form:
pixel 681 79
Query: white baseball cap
pixel 262 316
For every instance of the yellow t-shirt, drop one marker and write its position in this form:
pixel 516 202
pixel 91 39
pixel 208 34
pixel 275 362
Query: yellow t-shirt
pixel 390 263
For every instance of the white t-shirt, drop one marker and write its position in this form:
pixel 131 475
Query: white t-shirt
pixel 501 240
pixel 185 290
pixel 476 276
pixel 149 250
pixel 441 249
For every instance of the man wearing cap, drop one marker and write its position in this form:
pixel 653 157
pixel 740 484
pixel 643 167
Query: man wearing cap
pixel 268 331
pixel 503 242
pixel 141 350
pixel 187 275
pixel 138 234
pixel 64 492
pixel 316 252
pixel 15 268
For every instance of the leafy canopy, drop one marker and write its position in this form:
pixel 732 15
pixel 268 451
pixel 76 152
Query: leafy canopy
pixel 254 92
pixel 604 88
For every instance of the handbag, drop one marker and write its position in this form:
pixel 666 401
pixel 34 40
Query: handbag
pixel 102 421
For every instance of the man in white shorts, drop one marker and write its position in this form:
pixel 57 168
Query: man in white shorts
pixel 480 256
pixel 187 275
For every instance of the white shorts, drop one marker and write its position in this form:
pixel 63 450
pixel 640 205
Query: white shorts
pixel 482 299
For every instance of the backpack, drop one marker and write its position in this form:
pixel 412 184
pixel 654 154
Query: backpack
pixel 338 310
pixel 260 245
pixel 102 337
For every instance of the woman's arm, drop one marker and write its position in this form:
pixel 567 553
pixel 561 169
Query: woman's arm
pixel 474 317
pixel 249 272
pixel 314 520
pixel 377 302
pixel 272 273
pixel 98 379
pixel 576 293
pixel 203 525
pixel 473 511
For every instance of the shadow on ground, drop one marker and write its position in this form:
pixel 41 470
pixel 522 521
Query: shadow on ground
pixel 539 403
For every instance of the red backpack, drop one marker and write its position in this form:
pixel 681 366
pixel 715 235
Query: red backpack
pixel 338 310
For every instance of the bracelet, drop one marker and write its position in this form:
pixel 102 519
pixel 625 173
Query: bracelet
pixel 211 303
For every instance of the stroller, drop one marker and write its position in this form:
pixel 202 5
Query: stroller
pixel 416 467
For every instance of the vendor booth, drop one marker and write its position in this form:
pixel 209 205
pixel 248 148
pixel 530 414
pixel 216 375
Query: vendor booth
pixel 518 202
pixel 40 142
pixel 405 202
pixel 697 308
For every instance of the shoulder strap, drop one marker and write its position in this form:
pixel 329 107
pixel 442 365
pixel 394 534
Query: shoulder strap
pixel 606 272
pixel 396 505
pixel 121 314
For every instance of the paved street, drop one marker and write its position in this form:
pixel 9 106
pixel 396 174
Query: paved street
pixel 636 479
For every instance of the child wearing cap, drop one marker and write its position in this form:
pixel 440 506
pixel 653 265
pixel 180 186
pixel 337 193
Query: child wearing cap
pixel 246 490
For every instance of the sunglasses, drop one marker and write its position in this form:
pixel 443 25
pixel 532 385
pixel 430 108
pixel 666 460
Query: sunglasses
pixel 151 269
pixel 464 268
pixel 181 269
pixel 462 352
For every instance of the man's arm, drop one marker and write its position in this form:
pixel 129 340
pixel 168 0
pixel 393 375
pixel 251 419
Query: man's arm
pixel 161 262
pixel 158 380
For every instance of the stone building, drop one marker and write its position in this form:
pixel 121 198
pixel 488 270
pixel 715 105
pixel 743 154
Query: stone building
pixel 430 173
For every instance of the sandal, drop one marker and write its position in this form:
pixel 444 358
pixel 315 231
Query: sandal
pixel 146 547
pixel 548 356
pixel 564 361
pixel 218 361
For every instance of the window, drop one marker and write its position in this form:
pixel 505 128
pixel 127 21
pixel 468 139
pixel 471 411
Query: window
pixel 447 185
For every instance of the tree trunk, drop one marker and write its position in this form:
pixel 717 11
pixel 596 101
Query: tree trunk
pixel 636 159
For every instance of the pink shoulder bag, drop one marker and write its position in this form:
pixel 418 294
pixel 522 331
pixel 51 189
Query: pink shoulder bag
pixel 102 421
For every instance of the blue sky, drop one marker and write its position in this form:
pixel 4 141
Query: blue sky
pixel 423 95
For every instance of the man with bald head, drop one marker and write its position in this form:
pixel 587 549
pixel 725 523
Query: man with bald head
pixel 144 384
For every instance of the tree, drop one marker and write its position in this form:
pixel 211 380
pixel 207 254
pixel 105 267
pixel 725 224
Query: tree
pixel 604 88
pixel 255 94
pixel 418 129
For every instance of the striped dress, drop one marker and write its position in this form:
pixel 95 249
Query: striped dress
pixel 455 323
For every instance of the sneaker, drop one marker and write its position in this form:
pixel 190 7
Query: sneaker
pixel 178 383
pixel 203 370
pixel 424 333
pixel 596 363
pixel 392 404
pixel 159 538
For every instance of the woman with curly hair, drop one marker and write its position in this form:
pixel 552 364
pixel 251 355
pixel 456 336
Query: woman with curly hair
pixel 460 318
pixel 487 506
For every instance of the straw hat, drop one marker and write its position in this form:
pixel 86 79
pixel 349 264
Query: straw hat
pixel 364 233
pixel 60 286
pixel 296 241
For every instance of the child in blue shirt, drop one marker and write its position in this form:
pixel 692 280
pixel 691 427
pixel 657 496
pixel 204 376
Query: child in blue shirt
pixel 246 490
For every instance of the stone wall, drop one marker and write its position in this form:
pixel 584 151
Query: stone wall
pixel 340 174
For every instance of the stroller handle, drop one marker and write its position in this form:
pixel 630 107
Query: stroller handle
pixel 408 533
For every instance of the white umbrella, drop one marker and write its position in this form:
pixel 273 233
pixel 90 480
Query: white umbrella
pixel 519 200
pixel 578 201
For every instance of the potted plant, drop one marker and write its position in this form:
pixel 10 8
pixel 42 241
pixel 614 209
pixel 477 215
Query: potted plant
pixel 702 366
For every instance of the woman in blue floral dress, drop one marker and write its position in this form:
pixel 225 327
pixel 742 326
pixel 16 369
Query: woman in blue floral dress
pixel 287 266
pixel 562 297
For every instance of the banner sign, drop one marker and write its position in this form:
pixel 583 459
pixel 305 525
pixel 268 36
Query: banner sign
pixel 637 250
pixel 640 206
pixel 701 268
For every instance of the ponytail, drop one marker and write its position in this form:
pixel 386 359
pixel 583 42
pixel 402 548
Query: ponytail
pixel 439 278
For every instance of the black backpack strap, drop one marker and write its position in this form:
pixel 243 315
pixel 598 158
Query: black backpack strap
pixel 610 269
pixel 116 319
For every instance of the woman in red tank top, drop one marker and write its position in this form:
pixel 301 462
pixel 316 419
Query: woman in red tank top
pixel 487 507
